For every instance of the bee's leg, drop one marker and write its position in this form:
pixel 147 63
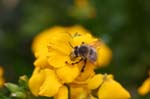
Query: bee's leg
pixel 74 62
pixel 77 61
pixel 85 60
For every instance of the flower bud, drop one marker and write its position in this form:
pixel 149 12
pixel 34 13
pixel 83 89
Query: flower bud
pixel 18 95
pixel 12 87
pixel 23 81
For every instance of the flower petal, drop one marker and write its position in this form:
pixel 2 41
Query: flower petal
pixel 95 81
pixel 41 62
pixel 63 93
pixel 57 59
pixel 50 85
pixel 43 38
pixel 104 55
pixel 2 81
pixel 79 92
pixel 145 88
pixel 36 81
pixel 87 73
pixel 61 42
pixel 86 38
pixel 59 49
pixel 77 29
pixel 110 89
pixel 67 73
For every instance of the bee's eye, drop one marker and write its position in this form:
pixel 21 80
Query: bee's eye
pixel 76 50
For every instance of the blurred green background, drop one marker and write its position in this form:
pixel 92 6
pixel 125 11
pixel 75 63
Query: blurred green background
pixel 123 24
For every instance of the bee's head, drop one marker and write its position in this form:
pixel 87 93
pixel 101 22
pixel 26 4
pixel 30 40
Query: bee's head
pixel 74 53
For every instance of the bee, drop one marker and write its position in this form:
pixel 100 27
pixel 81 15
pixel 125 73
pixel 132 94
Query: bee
pixel 86 52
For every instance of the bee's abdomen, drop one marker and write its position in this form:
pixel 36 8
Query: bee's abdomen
pixel 92 55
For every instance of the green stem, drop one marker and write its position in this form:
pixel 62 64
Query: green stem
pixel 69 93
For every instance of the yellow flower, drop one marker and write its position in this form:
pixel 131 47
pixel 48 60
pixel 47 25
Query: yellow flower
pixel 52 49
pixel 108 88
pixel 44 82
pixel 56 66
pixel 40 43
pixel 99 85
pixel 81 3
pixel 145 87
pixel 1 77
pixel 60 49
pixel 82 9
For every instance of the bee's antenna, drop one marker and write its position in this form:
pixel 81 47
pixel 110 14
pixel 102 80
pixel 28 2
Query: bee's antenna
pixel 70 45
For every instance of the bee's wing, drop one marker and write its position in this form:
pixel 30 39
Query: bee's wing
pixel 96 43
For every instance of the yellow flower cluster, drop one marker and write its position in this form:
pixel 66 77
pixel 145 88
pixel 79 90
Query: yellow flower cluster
pixel 145 87
pixel 82 9
pixel 1 77
pixel 63 70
